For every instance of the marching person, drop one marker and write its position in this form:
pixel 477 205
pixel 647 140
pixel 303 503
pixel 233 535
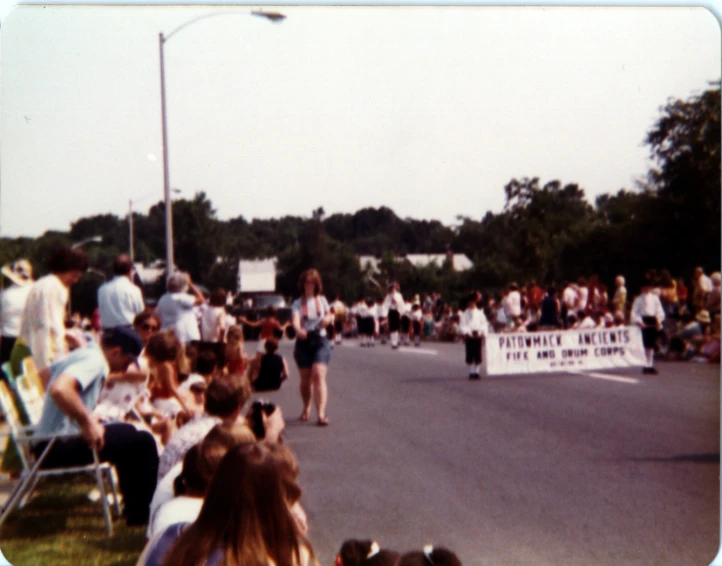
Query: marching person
pixel 416 318
pixel 120 300
pixel 312 352
pixel 339 313
pixel 474 327
pixel 406 325
pixel 394 304
pixel 647 312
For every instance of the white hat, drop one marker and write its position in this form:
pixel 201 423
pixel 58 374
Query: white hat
pixel 19 272
pixel 193 379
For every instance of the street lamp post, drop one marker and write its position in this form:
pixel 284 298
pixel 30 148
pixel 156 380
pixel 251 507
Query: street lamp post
pixel 162 39
pixel 131 225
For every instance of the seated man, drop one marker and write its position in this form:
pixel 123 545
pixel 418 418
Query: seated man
pixel 73 390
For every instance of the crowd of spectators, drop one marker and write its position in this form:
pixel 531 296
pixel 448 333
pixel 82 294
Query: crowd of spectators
pixel 165 395
pixel 690 329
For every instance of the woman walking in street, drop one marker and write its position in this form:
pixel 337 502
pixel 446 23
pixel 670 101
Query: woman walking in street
pixel 311 314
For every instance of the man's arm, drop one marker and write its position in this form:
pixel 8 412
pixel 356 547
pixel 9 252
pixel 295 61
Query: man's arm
pixel 64 391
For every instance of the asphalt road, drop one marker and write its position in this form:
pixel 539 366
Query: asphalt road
pixel 511 470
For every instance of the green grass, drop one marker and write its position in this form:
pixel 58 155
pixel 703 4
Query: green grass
pixel 59 525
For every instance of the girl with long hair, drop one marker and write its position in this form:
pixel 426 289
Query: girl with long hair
pixel 246 518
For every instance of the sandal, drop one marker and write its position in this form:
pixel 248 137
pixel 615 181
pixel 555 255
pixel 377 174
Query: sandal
pixel 304 416
pixel 322 421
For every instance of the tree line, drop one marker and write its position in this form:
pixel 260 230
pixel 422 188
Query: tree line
pixel 548 231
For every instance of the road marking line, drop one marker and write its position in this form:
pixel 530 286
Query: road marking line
pixel 594 375
pixel 419 351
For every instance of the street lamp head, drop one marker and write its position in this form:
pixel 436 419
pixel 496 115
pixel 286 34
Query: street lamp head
pixel 272 16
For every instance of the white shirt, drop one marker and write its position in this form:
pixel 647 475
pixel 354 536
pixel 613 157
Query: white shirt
pixel 43 324
pixel 316 308
pixel 586 323
pixel 12 303
pixel 569 298
pixel 647 304
pixel 705 283
pixel 176 312
pixel 473 319
pixel 181 509
pixel 394 301
pixel 119 300
pixel 512 304
pixel 212 323
pixel 583 295
pixel 163 492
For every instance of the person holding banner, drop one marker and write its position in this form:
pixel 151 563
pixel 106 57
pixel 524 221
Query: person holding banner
pixel 647 312
pixel 473 326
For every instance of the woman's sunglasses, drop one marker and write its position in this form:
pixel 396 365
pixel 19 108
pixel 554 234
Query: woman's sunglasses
pixel 151 327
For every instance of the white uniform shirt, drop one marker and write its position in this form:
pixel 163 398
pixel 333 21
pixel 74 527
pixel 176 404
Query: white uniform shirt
pixel 570 298
pixel 512 304
pixel 583 298
pixel 705 283
pixel 43 324
pixel 586 323
pixel 473 319
pixel 381 311
pixel 119 300
pixel 12 304
pixel 394 301
pixel 647 304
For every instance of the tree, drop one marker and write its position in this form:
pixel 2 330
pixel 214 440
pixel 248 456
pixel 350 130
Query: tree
pixel 685 145
pixel 196 236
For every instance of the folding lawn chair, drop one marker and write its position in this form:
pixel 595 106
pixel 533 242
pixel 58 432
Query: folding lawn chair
pixel 31 473
pixel 7 369
pixel 30 370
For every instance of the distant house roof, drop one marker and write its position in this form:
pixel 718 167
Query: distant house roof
pixel 459 261
pixel 369 260
pixel 149 274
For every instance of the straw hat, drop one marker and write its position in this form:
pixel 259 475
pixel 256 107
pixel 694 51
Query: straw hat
pixel 19 272
pixel 703 317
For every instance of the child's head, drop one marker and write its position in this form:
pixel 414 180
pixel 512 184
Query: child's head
pixel 206 362
pixel 163 346
pixel 355 552
pixel 271 345
pixel 438 556
pixel 217 298
pixel 234 335
pixel 271 312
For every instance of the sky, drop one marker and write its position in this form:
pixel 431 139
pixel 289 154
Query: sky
pixel 427 110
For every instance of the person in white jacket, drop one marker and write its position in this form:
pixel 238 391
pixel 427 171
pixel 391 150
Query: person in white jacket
pixel 474 327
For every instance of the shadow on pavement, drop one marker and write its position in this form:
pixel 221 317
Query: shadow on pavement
pixel 711 458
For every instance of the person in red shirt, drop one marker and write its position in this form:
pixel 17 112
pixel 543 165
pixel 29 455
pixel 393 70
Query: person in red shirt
pixel 535 294
pixel 270 328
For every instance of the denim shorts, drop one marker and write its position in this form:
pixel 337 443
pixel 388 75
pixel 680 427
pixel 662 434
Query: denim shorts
pixel 306 355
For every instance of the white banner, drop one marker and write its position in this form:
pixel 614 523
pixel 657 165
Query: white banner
pixel 535 352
